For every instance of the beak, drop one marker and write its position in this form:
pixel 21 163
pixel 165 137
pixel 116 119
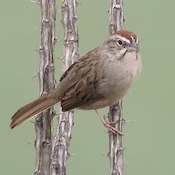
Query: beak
pixel 134 47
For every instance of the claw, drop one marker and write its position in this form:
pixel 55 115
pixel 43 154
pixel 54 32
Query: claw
pixel 108 125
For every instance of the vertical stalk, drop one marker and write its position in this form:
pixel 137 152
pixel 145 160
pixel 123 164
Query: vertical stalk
pixel 47 83
pixel 115 112
pixel 60 152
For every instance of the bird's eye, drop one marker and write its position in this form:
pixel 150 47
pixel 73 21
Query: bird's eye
pixel 119 42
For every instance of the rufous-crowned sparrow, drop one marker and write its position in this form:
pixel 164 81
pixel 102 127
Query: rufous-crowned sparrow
pixel 99 79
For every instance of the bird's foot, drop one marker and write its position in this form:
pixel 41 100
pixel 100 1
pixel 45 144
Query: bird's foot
pixel 109 125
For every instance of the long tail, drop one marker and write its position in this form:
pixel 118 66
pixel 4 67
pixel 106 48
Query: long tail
pixel 31 109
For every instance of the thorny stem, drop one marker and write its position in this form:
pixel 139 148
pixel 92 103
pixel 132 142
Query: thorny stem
pixel 115 112
pixel 61 142
pixel 47 83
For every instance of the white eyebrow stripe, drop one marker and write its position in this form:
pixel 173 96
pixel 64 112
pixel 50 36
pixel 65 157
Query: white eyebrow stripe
pixel 133 39
pixel 124 39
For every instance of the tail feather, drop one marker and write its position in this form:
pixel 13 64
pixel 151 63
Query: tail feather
pixel 31 109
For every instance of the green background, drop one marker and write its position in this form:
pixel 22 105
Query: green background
pixel 149 139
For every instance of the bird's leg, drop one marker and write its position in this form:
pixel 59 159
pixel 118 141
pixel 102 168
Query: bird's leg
pixel 108 125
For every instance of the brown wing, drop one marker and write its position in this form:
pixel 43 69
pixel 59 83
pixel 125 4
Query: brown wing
pixel 80 83
pixel 83 94
pixel 79 65
pixel 68 70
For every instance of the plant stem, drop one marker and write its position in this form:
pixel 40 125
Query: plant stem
pixel 43 143
pixel 115 112
pixel 60 152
